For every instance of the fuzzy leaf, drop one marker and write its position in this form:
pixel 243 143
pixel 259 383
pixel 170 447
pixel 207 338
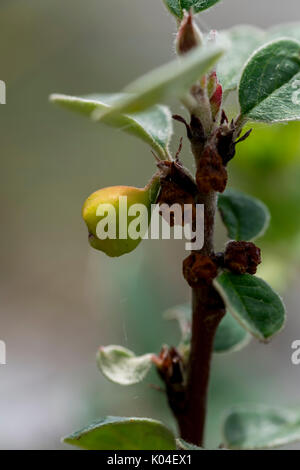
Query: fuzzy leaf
pixel 285 30
pixel 245 217
pixel 260 427
pixel 176 7
pixel 115 433
pixel 269 86
pixel 230 336
pixel 170 80
pixel 122 366
pixel 253 303
pixel 153 126
pixel 243 41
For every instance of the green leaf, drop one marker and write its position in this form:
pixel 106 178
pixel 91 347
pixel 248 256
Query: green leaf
pixel 176 7
pixel 183 445
pixel 260 427
pixel 153 126
pixel 170 80
pixel 243 41
pixel 253 303
pixel 122 366
pixel 245 217
pixel 115 433
pixel 269 86
pixel 230 336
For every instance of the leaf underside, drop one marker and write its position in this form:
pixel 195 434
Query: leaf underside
pixel 243 41
pixel 260 427
pixel 170 80
pixel 122 366
pixel 153 126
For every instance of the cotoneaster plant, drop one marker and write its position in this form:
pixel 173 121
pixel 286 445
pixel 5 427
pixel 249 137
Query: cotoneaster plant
pixel 260 70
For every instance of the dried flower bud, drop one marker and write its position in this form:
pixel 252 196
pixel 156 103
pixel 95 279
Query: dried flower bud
pixel 188 36
pixel 211 174
pixel 169 365
pixel 226 139
pixel 242 257
pixel 199 270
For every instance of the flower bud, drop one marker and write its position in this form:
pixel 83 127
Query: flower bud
pixel 215 94
pixel 188 36
pixel 109 200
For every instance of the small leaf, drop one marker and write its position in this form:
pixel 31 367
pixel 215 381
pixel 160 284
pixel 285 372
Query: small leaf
pixel 253 303
pixel 245 217
pixel 230 336
pixel 121 366
pixel 269 87
pixel 153 126
pixel 170 80
pixel 260 427
pixel 243 41
pixel 115 433
pixel 183 445
pixel 176 7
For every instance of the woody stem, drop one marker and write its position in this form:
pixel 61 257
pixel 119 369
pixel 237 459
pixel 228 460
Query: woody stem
pixel 207 314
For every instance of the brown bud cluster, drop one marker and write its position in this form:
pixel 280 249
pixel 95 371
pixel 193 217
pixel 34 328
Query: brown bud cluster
pixel 199 270
pixel 211 173
pixel 242 257
pixel 170 365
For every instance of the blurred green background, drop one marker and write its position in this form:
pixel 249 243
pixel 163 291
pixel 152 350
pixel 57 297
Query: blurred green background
pixel 60 299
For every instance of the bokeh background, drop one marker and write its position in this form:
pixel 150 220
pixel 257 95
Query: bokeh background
pixel 60 299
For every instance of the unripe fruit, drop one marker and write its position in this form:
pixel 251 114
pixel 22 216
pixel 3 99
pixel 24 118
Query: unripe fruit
pixel 118 244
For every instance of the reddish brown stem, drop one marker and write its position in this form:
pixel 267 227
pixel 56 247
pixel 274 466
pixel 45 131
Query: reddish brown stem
pixel 208 310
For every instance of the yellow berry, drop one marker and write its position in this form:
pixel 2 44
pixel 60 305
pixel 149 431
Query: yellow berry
pixel 95 210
